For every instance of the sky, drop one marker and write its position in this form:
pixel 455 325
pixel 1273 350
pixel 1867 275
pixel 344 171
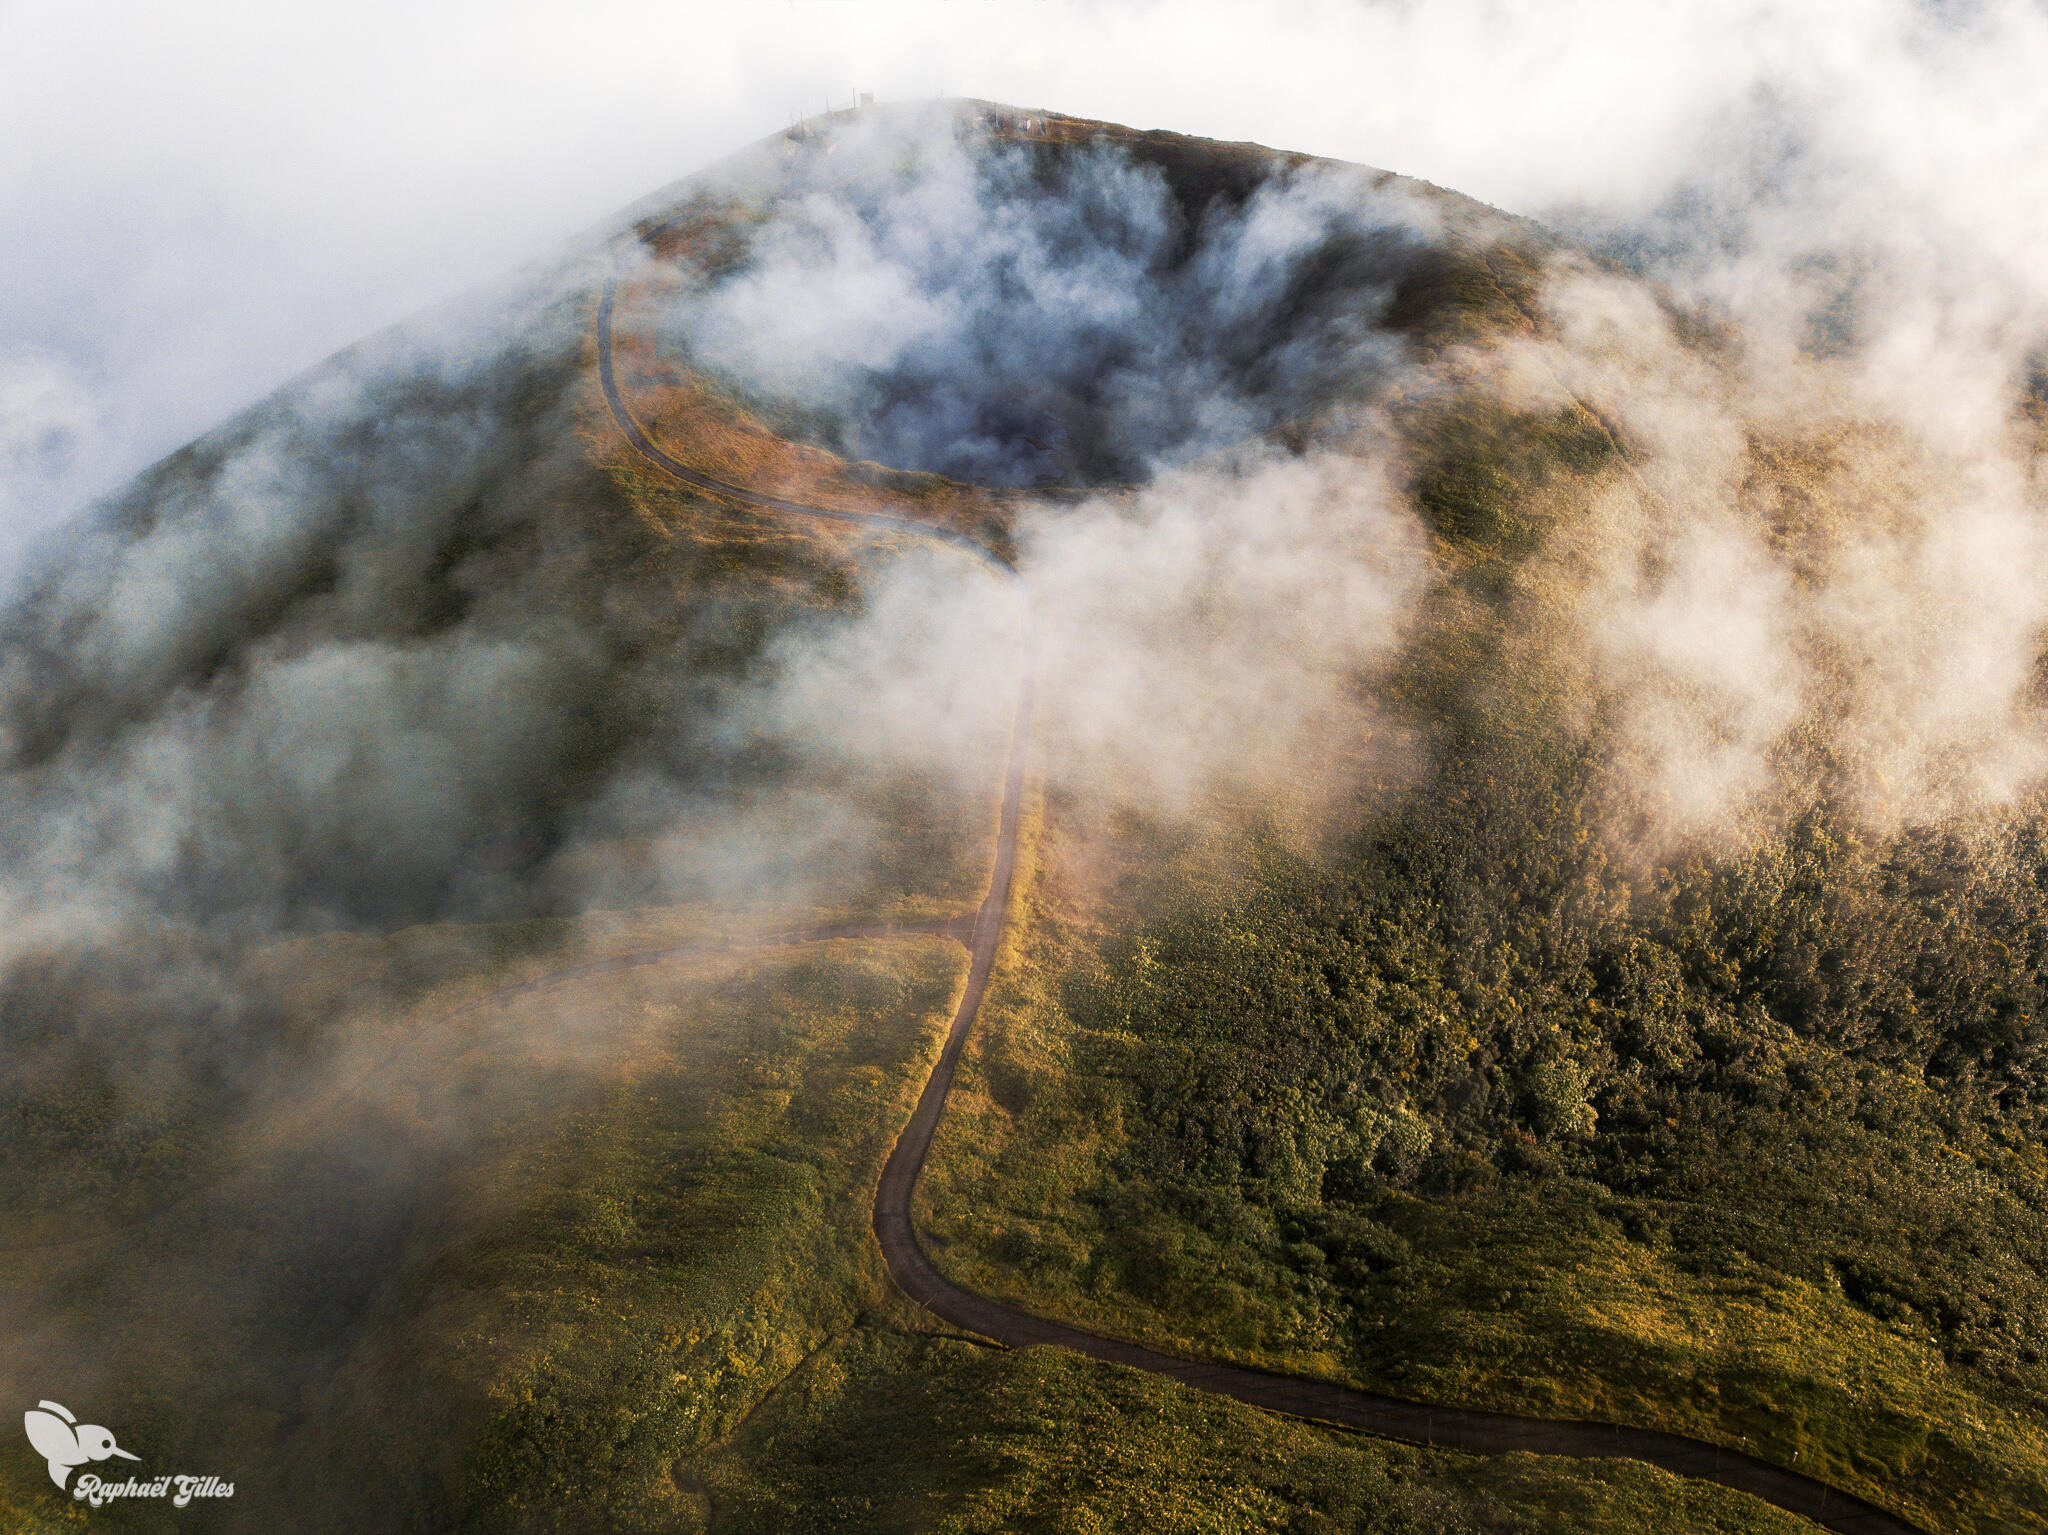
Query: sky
pixel 201 201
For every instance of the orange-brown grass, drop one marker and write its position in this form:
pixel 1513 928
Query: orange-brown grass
pixel 715 435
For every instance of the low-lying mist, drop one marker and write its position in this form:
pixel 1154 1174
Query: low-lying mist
pixel 1810 580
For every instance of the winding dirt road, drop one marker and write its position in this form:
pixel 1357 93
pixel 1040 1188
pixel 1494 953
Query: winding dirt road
pixel 1452 1428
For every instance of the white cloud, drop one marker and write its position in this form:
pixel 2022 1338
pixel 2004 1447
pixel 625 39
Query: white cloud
pixel 203 199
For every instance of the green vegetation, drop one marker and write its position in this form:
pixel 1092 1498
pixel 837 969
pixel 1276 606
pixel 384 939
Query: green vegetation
pixel 661 1206
pixel 1468 1108
pixel 883 1431
pixel 645 1297
pixel 1488 478
pixel 1470 291
pixel 649 1265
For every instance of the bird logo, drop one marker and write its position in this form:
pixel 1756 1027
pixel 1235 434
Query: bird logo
pixel 66 1443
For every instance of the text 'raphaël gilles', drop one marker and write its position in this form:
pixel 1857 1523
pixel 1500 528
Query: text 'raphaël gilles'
pixel 91 1489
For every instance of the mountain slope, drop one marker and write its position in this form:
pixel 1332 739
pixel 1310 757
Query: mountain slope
pixel 1368 1018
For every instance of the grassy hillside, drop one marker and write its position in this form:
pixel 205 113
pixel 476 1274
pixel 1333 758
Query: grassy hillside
pixel 885 1431
pixel 1477 1105
pixel 417 683
pixel 664 1210
pixel 645 1297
